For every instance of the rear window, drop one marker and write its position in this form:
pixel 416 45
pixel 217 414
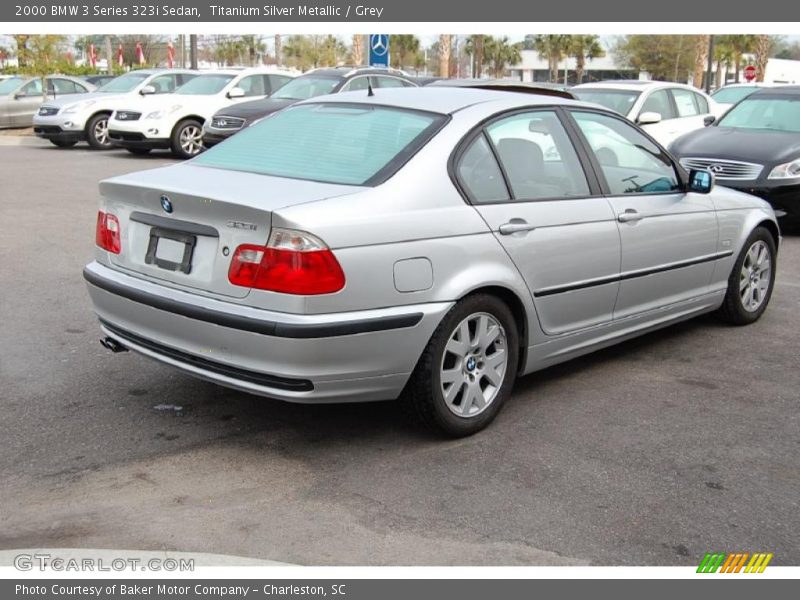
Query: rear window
pixel 355 144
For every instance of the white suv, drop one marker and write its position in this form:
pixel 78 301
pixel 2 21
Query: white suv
pixel 664 110
pixel 176 120
pixel 69 120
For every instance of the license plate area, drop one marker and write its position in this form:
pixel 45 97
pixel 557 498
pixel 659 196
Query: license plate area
pixel 170 250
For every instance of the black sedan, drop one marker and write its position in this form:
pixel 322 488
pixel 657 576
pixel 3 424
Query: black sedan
pixel 319 82
pixel 754 147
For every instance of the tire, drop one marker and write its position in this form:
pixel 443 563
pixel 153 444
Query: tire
pixel 63 143
pixel 138 151
pixel 187 139
pixel 453 410
pixel 751 281
pixel 97 132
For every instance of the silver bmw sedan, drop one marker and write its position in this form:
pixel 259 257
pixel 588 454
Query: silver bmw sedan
pixel 427 245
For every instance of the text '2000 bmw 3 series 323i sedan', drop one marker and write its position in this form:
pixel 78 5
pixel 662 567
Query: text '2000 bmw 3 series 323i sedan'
pixel 427 245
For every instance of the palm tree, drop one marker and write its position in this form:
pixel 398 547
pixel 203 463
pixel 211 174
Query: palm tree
pixel 445 47
pixel 500 53
pixel 553 48
pixel 763 48
pixel 357 51
pixel 700 58
pixel 404 50
pixel 278 49
pixel 583 48
pixel 475 47
pixel 723 56
pixel 741 45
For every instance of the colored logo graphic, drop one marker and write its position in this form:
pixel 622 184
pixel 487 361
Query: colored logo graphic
pixel 735 562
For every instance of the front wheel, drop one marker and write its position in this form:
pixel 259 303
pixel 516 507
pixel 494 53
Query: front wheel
pixel 97 132
pixel 187 139
pixel 751 281
pixel 468 368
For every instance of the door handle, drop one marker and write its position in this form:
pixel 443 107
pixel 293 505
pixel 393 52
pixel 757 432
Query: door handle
pixel 515 226
pixel 629 216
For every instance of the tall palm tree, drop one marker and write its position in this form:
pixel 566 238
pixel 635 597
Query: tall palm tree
pixel 445 47
pixel 499 53
pixel 741 45
pixel 723 56
pixel 583 48
pixel 553 48
pixel 357 51
pixel 763 48
pixel 700 58
pixel 278 53
pixel 475 47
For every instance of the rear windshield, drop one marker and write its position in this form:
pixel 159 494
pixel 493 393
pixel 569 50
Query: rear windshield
pixel 306 87
pixel 204 85
pixel 123 83
pixel 731 95
pixel 355 144
pixel 620 101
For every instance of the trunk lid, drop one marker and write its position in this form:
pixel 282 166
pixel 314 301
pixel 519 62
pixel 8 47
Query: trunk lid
pixel 182 224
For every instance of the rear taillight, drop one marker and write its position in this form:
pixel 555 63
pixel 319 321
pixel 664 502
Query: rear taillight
pixel 292 262
pixel 108 234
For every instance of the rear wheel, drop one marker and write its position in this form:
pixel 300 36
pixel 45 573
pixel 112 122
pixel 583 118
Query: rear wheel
pixel 138 151
pixel 97 132
pixel 468 368
pixel 187 139
pixel 63 143
pixel 751 281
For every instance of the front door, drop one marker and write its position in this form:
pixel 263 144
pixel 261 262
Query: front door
pixel 669 236
pixel 522 174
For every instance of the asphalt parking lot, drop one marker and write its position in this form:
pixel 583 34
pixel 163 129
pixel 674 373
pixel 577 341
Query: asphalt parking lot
pixel 653 452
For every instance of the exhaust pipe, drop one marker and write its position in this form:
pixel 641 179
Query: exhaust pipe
pixel 113 345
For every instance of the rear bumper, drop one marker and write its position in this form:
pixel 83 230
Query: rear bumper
pixel 337 357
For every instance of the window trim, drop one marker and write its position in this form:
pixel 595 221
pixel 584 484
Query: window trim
pixel 680 172
pixel 595 187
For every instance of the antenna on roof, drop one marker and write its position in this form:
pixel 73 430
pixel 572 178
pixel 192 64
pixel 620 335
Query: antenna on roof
pixel 370 93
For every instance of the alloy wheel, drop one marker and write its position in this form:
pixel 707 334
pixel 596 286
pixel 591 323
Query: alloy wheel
pixel 191 139
pixel 101 132
pixel 755 276
pixel 474 364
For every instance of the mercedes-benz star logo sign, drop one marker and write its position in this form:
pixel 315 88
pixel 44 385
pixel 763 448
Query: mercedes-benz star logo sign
pixel 166 204
pixel 379 44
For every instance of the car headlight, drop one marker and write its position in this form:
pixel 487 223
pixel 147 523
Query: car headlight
pixel 73 108
pixel 790 170
pixel 157 114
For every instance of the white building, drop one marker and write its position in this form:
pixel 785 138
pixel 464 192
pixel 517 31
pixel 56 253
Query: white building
pixel 533 68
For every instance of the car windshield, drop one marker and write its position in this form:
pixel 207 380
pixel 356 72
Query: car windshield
pixel 620 101
pixel 204 85
pixel 123 83
pixel 304 88
pixel 778 113
pixel 731 95
pixel 356 144
pixel 9 85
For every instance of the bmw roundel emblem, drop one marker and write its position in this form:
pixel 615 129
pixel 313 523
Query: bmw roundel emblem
pixel 166 204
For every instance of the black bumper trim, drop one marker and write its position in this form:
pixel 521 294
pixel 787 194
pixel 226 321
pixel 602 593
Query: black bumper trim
pixel 271 328
pixel 273 381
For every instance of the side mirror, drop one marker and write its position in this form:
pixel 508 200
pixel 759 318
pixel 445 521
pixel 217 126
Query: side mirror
pixel 709 120
pixel 236 92
pixel 147 90
pixel 19 95
pixel 701 182
pixel 649 118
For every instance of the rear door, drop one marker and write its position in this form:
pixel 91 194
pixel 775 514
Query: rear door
pixel 669 236
pixel 523 175
pixel 660 101
pixel 691 108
